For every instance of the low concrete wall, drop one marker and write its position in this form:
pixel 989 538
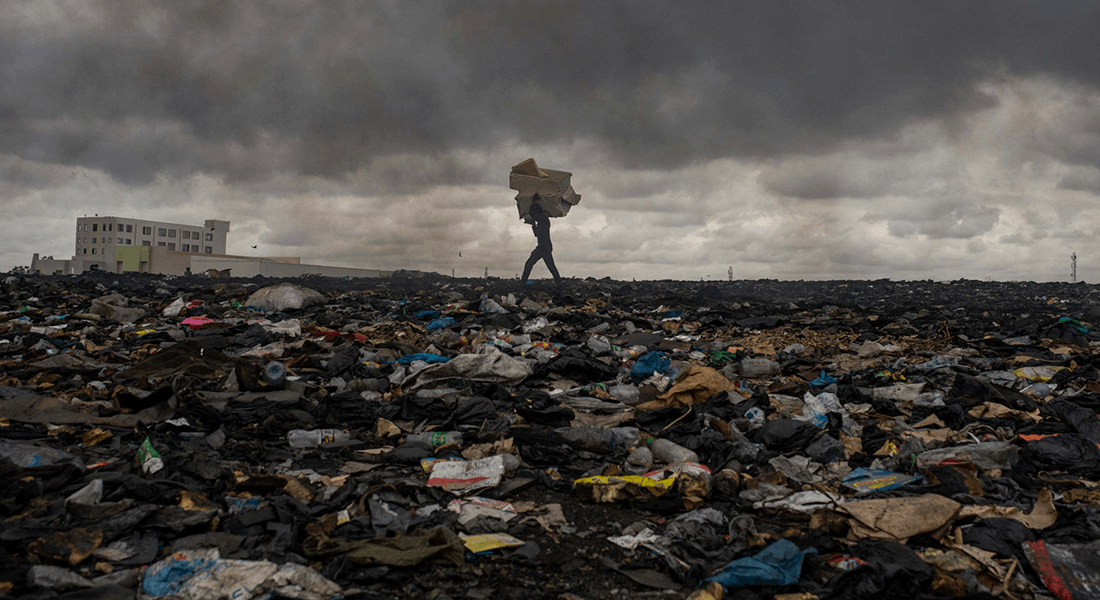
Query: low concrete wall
pixel 252 268
pixel 73 266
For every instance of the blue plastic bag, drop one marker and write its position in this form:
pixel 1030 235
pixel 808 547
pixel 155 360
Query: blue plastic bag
pixel 649 363
pixel 778 564
pixel 440 323
pixel 427 357
pixel 824 380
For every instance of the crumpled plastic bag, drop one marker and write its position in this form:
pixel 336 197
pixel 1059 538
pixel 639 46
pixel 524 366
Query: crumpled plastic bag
pixel 116 308
pixel 488 365
pixel 284 296
pixel 204 575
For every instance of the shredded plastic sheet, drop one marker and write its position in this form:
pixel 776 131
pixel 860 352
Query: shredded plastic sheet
pixel 877 480
pixel 1070 572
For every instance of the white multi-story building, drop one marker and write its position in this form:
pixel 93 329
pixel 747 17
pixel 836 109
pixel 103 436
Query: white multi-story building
pixel 99 238
pixel 124 245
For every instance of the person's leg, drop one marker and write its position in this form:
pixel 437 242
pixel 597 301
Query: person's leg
pixel 535 256
pixel 548 258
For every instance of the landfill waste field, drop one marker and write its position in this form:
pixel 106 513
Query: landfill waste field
pixel 427 437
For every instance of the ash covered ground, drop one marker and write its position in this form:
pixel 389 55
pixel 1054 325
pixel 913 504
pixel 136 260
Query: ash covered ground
pixel 978 399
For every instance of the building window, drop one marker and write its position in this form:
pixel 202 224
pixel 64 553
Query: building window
pixel 93 250
pixel 129 229
pixel 195 235
pixel 210 237
pixel 162 231
pixel 187 235
pixel 171 233
pixel 186 247
pixel 161 244
pixel 95 226
pixel 118 241
pixel 94 240
pixel 146 231
pixel 146 243
pixel 85 251
pixel 171 246
pixel 110 226
pixel 209 250
pixel 129 242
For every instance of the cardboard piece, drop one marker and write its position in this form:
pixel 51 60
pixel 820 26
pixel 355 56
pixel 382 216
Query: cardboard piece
pixel 1043 515
pixel 556 195
pixel 899 519
pixel 695 385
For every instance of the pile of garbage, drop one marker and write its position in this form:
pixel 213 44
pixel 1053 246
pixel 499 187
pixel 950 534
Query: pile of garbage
pixel 315 438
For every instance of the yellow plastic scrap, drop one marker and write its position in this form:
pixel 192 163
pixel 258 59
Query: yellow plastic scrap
pixel 605 489
pixel 890 448
pixel 1033 374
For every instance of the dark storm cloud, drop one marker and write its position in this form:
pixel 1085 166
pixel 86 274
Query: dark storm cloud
pixel 828 178
pixel 1082 179
pixel 945 219
pixel 247 89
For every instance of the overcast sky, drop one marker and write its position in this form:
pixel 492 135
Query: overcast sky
pixel 789 140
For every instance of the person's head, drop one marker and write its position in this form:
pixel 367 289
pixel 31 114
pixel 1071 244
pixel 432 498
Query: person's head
pixel 536 208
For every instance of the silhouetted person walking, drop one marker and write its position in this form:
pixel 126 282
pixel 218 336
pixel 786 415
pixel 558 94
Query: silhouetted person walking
pixel 542 251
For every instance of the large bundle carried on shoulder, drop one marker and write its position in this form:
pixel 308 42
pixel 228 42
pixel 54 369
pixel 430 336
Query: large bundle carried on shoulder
pixel 550 188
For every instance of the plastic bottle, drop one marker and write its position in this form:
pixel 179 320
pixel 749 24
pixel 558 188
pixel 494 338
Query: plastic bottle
pixel 759 367
pixel 599 344
pixel 639 461
pixel 311 438
pixel 626 437
pixel 627 394
pixel 670 452
pixel 274 373
pixel 591 439
pixel 519 340
pixel 436 439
